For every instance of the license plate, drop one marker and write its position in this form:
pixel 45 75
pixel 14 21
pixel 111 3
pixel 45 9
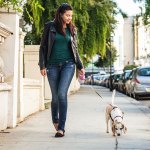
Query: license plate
pixel 148 89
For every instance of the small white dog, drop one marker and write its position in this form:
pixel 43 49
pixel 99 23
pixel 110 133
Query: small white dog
pixel 115 115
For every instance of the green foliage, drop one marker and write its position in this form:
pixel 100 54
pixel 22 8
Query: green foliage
pixel 130 67
pixel 31 38
pixel 146 14
pixel 36 9
pixel 14 4
pixel 33 10
pixel 97 30
pixel 124 15
pixel 111 55
pixel 94 20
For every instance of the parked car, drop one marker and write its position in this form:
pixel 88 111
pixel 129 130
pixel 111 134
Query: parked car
pixel 128 83
pixel 95 78
pixel 115 79
pixel 107 80
pixel 123 79
pixel 87 80
pixel 110 79
pixel 139 83
pixel 101 80
pixel 92 79
pixel 102 72
pixel 104 80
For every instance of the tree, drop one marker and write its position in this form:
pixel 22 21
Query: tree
pixel 129 67
pixel 11 4
pixel 105 61
pixel 17 5
pixel 146 14
pixel 93 20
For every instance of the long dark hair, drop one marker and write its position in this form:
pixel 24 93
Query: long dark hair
pixel 59 22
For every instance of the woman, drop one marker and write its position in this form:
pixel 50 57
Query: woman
pixel 57 58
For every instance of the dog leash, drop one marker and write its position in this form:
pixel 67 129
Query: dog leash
pixel 116 142
pixel 96 92
pixel 116 139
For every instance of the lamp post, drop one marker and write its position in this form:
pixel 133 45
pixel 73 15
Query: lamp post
pixel 92 72
pixel 110 66
pixel 146 56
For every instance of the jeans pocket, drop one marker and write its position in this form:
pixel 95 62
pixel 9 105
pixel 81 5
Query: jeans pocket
pixel 71 62
pixel 48 68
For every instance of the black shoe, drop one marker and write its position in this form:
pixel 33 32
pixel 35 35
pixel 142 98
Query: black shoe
pixel 60 133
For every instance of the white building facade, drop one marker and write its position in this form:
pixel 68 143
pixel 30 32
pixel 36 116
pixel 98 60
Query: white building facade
pixel 142 43
pixel 118 43
pixel 132 41
pixel 124 43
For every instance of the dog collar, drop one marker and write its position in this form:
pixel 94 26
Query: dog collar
pixel 118 116
pixel 115 117
pixel 114 107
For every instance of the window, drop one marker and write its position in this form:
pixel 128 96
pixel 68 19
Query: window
pixel 144 72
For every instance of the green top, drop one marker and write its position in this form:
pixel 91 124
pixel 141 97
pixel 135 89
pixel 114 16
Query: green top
pixel 61 50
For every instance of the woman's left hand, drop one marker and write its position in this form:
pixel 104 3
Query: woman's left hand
pixel 81 72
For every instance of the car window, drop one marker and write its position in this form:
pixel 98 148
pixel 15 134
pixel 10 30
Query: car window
pixel 131 74
pixel 127 74
pixel 144 72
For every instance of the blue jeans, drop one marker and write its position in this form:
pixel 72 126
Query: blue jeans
pixel 59 77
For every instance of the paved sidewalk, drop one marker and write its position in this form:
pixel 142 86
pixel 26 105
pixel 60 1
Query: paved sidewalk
pixel 85 126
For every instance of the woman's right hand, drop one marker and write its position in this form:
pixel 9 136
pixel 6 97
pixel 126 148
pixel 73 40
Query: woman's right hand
pixel 43 72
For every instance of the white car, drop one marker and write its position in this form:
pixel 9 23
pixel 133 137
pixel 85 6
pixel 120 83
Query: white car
pixel 138 84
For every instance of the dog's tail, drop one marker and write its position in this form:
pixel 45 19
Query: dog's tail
pixel 113 96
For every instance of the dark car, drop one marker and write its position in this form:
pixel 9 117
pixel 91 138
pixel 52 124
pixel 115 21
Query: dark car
pixel 115 79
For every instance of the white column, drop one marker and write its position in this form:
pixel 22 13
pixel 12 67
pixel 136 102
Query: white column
pixel 128 41
pixel 9 53
pixel 20 105
pixel 4 90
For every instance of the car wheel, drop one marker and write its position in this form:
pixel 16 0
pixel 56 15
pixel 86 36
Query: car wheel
pixel 130 94
pixel 126 92
pixel 136 96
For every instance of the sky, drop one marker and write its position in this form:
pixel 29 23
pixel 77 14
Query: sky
pixel 128 6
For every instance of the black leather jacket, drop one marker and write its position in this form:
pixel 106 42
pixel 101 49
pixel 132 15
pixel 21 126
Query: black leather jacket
pixel 47 41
